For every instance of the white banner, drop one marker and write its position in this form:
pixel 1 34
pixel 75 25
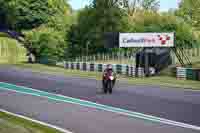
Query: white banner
pixel 146 40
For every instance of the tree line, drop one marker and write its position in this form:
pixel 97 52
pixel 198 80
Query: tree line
pixel 53 29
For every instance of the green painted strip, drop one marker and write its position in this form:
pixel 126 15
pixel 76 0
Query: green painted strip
pixel 30 91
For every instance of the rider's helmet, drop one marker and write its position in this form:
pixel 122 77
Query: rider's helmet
pixel 109 67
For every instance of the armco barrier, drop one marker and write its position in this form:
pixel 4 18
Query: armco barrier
pixel 181 73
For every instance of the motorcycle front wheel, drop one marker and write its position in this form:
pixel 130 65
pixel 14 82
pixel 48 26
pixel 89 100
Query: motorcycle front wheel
pixel 110 87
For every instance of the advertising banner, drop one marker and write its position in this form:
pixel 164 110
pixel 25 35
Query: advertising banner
pixel 146 40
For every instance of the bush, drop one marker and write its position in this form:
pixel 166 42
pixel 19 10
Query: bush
pixel 46 42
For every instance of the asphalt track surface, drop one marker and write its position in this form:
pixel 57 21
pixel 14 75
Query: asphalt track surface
pixel 79 119
pixel 170 103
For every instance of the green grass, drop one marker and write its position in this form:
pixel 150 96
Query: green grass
pixel 12 124
pixel 195 61
pixel 57 70
pixel 167 81
pixel 11 51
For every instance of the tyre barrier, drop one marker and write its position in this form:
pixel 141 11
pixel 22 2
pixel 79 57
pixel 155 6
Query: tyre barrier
pixel 72 66
pixel 96 67
pixel 140 72
pixel 132 71
pixel 192 74
pixel 100 67
pixel 66 65
pixel 181 73
pixel 81 66
pixel 114 67
pixel 84 67
pixel 69 65
pixel 75 66
pixel 78 66
pixel 91 67
pixel 87 66
pixel 198 75
pixel 124 69
pixel 188 73
pixel 119 69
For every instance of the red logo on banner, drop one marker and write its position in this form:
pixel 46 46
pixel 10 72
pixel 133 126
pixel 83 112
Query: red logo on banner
pixel 164 39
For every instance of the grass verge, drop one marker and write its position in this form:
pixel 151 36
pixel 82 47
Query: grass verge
pixel 12 124
pixel 166 81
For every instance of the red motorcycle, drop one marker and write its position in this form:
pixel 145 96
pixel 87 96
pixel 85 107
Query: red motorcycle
pixel 109 79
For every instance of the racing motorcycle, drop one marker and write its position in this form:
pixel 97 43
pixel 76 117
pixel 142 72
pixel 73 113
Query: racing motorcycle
pixel 109 79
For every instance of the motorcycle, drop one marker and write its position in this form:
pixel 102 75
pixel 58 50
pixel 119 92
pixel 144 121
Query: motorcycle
pixel 108 82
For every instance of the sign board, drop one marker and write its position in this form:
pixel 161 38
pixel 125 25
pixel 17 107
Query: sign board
pixel 146 40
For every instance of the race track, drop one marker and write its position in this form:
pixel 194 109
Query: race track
pixel 170 103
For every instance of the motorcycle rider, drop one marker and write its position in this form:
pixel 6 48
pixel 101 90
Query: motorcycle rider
pixel 106 71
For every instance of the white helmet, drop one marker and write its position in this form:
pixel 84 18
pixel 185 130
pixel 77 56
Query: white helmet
pixel 109 66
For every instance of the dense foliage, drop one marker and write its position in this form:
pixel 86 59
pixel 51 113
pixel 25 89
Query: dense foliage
pixel 93 21
pixel 52 29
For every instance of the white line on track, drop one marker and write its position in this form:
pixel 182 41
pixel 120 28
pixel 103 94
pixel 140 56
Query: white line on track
pixel 36 121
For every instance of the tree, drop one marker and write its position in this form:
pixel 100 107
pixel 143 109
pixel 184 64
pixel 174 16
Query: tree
pixel 150 5
pixel 132 6
pixel 48 38
pixel 46 42
pixel 155 22
pixel 189 10
pixel 29 14
pixel 6 14
pixel 93 22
